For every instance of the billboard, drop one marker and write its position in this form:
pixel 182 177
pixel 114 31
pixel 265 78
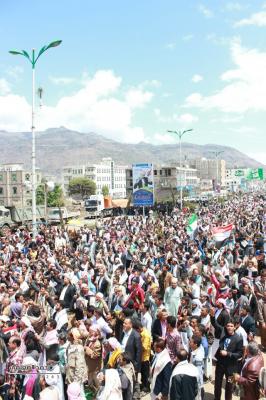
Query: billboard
pixel 240 172
pixel 143 185
pixel 256 173
pixel 250 173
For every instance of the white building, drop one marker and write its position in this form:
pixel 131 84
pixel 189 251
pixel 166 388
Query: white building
pixel 106 173
pixel 235 178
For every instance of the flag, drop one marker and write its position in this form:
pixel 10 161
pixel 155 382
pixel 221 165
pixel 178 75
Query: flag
pixel 192 224
pixel 222 232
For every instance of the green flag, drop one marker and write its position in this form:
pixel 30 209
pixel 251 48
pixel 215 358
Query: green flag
pixel 192 223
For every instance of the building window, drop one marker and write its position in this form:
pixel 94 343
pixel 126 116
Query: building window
pixel 155 172
pixel 1 191
pixel 14 177
pixel 15 190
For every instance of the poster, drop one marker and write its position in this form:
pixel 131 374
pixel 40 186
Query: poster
pixel 143 185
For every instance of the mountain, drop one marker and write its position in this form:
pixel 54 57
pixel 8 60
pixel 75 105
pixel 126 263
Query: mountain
pixel 58 147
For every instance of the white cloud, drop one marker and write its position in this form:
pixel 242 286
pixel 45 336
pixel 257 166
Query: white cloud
pixel 235 6
pixel 166 95
pixel 187 38
pixel 154 83
pixel 100 105
pixel 170 46
pixel 257 19
pixel 217 40
pixel 244 88
pixel 15 72
pixel 4 87
pixel 157 112
pixel 137 98
pixel 183 119
pixel 15 113
pixel 194 99
pixel 197 78
pixel 164 138
pixel 205 11
pixel 62 80
pixel 187 118
pixel 227 119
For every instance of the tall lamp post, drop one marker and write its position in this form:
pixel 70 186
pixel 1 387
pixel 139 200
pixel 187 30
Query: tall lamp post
pixel 180 134
pixel 33 60
pixel 216 154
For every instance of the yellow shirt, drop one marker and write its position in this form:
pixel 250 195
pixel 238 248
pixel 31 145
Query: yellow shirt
pixel 146 344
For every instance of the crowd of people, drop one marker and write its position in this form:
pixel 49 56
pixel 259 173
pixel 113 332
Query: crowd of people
pixel 136 305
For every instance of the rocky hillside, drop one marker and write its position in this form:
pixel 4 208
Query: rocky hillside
pixel 58 147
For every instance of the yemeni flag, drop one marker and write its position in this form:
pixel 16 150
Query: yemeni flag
pixel 192 224
pixel 221 233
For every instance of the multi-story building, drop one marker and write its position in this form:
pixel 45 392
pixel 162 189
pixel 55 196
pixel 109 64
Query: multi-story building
pixel 167 180
pixel 15 185
pixel 106 173
pixel 213 169
pixel 235 178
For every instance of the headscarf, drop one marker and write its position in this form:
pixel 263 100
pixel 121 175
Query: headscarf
pixel 94 333
pixel 116 351
pixel 26 321
pixel 74 391
pixel 197 310
pixel 221 301
pixel 112 388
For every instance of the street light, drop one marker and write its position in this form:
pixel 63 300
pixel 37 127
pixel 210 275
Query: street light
pixel 180 134
pixel 216 154
pixel 33 60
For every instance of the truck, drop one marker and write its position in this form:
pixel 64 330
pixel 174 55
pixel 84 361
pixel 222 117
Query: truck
pixel 97 205
pixel 12 217
pixel 54 216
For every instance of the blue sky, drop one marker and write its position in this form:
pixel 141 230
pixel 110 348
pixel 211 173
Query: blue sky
pixel 132 70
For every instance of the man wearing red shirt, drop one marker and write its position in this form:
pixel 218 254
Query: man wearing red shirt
pixel 137 294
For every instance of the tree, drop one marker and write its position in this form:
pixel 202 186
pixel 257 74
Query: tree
pixel 54 197
pixel 105 190
pixel 83 186
pixel 40 195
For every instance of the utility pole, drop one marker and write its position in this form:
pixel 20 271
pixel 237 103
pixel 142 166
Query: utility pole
pixel 180 134
pixel 33 60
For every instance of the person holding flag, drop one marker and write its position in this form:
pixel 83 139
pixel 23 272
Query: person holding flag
pixel 192 225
